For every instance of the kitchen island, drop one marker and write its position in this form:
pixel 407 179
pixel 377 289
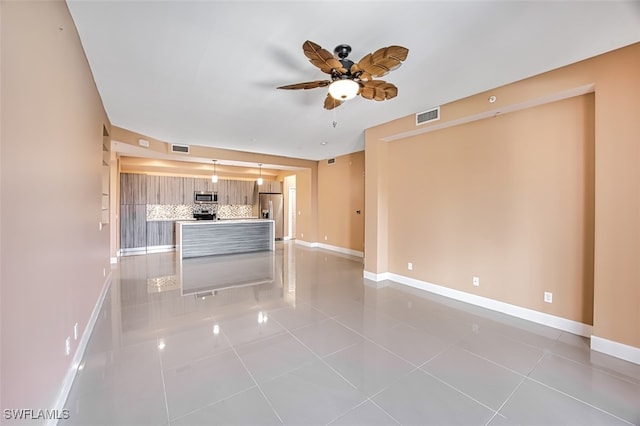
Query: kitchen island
pixel 214 237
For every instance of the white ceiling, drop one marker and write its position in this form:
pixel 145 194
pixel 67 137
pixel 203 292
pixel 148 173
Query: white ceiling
pixel 206 72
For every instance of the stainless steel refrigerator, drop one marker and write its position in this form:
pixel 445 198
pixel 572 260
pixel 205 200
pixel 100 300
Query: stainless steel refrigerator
pixel 272 207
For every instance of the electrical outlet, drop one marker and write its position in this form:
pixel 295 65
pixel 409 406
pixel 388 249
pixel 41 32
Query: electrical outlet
pixel 75 331
pixel 67 346
pixel 302 235
pixel 410 266
pixel 326 238
pixel 476 281
pixel 548 297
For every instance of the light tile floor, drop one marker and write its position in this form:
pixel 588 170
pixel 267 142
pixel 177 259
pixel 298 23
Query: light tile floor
pixel 311 342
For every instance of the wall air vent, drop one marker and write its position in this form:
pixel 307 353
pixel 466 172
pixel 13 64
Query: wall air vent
pixel 181 149
pixel 428 116
pixel 331 160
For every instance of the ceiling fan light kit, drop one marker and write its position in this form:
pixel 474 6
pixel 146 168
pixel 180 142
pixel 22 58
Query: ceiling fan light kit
pixel 350 79
pixel 343 90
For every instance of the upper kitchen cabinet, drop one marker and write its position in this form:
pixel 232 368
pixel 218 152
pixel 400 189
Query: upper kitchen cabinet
pixel 201 184
pixel 235 192
pixel 247 190
pixel 171 190
pixel 165 190
pixel 133 188
pixel 223 189
pixel 271 186
pixel 153 189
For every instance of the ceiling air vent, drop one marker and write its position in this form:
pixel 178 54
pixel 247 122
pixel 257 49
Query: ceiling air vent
pixel 181 149
pixel 428 116
pixel 331 160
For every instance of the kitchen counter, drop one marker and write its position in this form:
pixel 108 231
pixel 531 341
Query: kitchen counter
pixel 230 236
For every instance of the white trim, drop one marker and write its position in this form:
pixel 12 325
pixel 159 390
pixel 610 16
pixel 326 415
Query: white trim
pixel 160 249
pixel 495 305
pixel 133 251
pixel 80 350
pixel 340 250
pixel 376 277
pixel 616 349
pixel 306 243
pixel 331 248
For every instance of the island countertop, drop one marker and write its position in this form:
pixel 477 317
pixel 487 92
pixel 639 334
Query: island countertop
pixel 196 238
pixel 223 221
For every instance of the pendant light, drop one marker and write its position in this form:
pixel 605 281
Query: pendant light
pixel 260 180
pixel 214 177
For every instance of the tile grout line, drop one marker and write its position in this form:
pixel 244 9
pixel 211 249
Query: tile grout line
pixel 564 393
pixel 579 400
pixel 211 404
pixel 458 390
pixel 524 378
pixel 254 379
pixel 164 386
pixel 319 358
pixel 626 379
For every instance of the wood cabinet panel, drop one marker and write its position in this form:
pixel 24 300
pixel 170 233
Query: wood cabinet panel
pixel 161 233
pixel 171 190
pixel 249 192
pixel 271 186
pixel 133 226
pixel 236 192
pixel 153 189
pixel 133 188
pixel 189 186
pixel 202 184
pixel 223 191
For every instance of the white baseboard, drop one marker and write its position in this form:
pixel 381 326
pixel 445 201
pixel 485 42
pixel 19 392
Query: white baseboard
pixel 160 249
pixel 329 247
pixel 376 277
pixel 306 243
pixel 341 250
pixel 618 350
pixel 484 302
pixel 80 350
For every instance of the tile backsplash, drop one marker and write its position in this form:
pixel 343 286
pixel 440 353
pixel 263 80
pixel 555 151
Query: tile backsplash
pixel 169 212
pixel 235 211
pixel 156 212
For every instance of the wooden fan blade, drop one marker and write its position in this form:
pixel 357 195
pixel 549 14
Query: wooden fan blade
pixel 306 85
pixel 330 102
pixel 322 58
pixel 378 90
pixel 380 62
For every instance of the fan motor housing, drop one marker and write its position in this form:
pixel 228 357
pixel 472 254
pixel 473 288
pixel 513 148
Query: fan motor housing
pixel 342 51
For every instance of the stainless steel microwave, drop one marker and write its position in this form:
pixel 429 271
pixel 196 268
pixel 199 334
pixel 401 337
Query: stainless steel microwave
pixel 205 197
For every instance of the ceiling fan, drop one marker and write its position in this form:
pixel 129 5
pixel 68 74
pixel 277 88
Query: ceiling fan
pixel 350 79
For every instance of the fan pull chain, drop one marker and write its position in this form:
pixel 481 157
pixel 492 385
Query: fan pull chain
pixel 335 122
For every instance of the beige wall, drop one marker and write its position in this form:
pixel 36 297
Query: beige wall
pixel 514 208
pixel 306 202
pixel 53 252
pixel 543 199
pixel 340 196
